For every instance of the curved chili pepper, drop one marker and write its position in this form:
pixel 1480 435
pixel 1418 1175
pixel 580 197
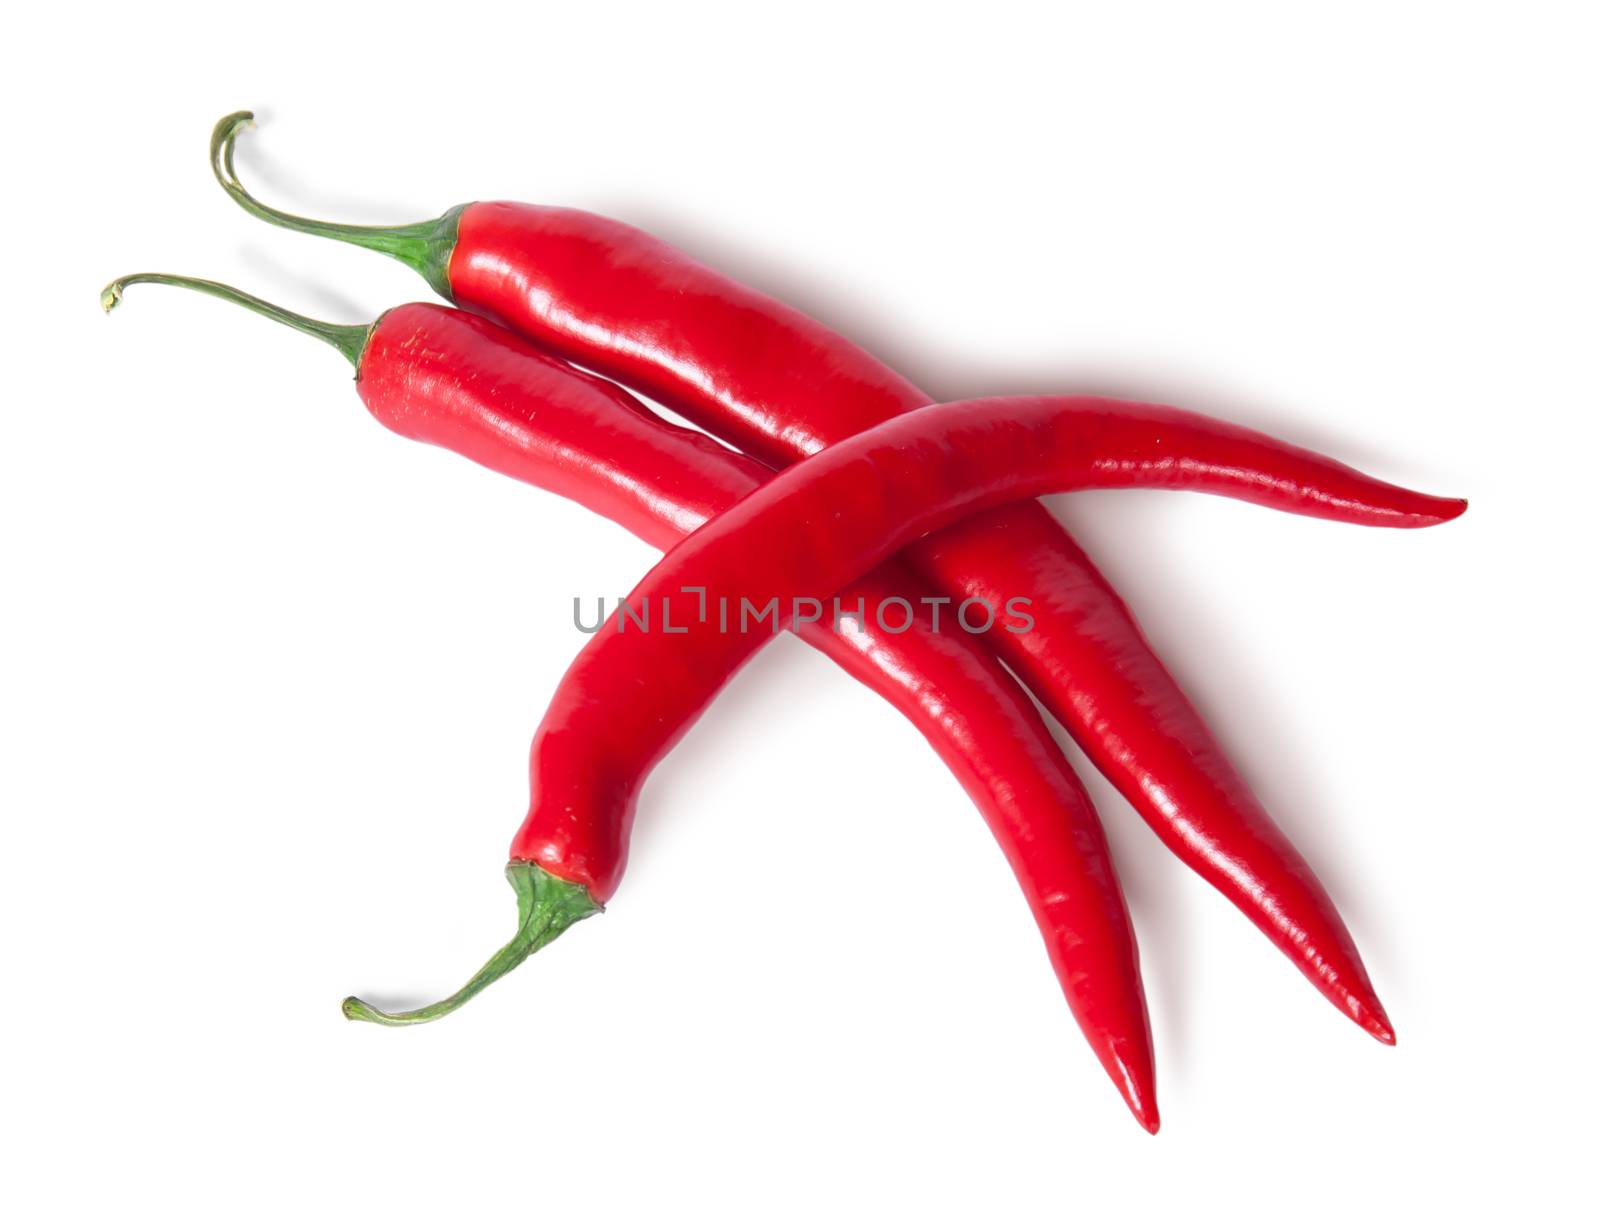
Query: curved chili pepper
pixel 459 381
pixel 780 386
pixel 877 491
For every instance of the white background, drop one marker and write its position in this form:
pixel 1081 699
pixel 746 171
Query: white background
pixel 270 672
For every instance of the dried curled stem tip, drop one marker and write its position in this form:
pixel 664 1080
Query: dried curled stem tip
pixel 547 906
pixel 230 126
pixel 357 1010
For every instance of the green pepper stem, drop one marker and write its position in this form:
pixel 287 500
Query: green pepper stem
pixel 547 906
pixel 350 340
pixel 425 247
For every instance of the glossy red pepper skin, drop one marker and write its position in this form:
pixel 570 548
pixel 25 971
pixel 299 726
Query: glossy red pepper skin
pixel 877 492
pixel 459 381
pixel 780 386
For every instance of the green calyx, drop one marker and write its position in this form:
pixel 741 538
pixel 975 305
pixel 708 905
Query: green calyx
pixel 547 906
pixel 349 340
pixel 425 247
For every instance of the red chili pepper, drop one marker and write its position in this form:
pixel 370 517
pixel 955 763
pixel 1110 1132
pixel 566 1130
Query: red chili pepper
pixel 456 380
pixel 780 386
pixel 877 491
